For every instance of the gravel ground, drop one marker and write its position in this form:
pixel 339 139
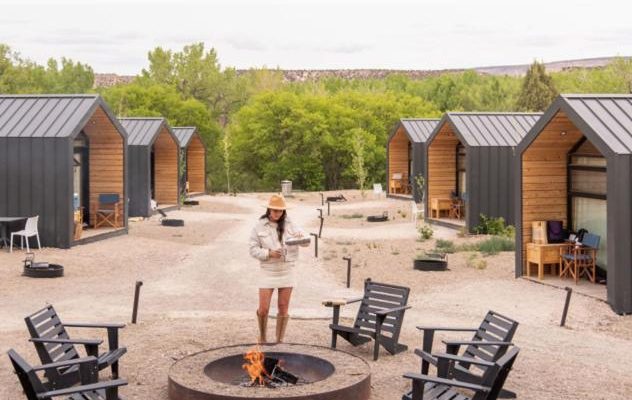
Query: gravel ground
pixel 199 292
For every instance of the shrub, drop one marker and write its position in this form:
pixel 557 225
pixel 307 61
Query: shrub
pixel 352 216
pixel 496 244
pixel 445 246
pixel 474 261
pixel 494 226
pixel 425 232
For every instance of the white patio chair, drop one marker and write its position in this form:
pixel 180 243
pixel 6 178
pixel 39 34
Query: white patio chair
pixel 414 212
pixel 30 230
pixel 377 190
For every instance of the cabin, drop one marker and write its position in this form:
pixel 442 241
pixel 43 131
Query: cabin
pixel 154 157
pixel 193 153
pixel 58 155
pixel 405 155
pixel 575 166
pixel 469 167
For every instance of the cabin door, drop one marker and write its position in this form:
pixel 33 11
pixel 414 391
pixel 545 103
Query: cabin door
pixel 81 176
pixel 153 174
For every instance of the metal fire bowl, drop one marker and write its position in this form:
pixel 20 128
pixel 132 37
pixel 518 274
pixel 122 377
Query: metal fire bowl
pixel 215 374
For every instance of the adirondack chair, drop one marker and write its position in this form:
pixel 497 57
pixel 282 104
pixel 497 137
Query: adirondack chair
pixel 379 317
pixel 489 342
pixel 53 345
pixel 90 389
pixel 442 388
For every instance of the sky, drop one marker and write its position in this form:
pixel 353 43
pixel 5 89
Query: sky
pixel 114 36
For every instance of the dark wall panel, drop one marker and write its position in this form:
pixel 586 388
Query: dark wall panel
pixel 620 233
pixel 4 177
pixel 139 181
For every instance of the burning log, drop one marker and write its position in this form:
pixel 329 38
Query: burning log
pixel 258 366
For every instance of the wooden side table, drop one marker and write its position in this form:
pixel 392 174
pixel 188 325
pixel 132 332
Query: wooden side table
pixel 439 204
pixel 544 254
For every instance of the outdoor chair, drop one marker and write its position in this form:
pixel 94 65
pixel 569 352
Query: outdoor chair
pixel 30 230
pixel 490 341
pixel 379 317
pixel 455 208
pixel 414 211
pixel 443 388
pixel 580 259
pixel 90 388
pixel 108 210
pixel 397 179
pixel 53 345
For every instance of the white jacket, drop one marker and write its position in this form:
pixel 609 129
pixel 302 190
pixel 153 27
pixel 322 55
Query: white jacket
pixel 264 237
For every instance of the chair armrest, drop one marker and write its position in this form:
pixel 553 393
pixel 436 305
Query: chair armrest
pixel 383 313
pixel 469 360
pixel 100 325
pixel 475 343
pixel 83 388
pixel 67 363
pixel 426 356
pixel 447 382
pixel 340 302
pixel 88 342
pixel 446 329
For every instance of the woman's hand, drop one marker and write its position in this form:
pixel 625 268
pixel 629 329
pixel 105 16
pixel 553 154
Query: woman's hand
pixel 275 253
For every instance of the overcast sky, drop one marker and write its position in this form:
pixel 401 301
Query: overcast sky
pixel 115 36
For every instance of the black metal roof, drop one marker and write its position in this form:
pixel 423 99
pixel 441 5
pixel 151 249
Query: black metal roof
pixel 184 134
pixel 49 116
pixel 606 119
pixel 489 128
pixel 143 131
pixel 418 129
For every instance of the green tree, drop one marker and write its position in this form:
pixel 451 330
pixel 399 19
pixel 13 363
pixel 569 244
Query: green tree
pixel 538 90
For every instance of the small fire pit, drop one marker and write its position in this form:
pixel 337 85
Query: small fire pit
pixel 289 371
pixel 34 269
pixel 378 218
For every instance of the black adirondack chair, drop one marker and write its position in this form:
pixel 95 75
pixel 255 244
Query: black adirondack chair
pixel 379 318
pixel 442 388
pixel 490 342
pixel 53 345
pixel 91 389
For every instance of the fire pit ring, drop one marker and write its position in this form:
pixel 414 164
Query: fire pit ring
pixel 325 374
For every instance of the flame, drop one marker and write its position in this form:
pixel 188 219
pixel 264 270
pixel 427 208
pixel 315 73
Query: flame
pixel 255 367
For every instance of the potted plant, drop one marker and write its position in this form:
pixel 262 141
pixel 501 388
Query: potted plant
pixel 430 261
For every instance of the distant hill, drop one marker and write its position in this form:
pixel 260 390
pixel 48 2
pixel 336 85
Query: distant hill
pixel 301 75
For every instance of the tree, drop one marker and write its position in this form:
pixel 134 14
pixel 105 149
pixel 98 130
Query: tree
pixel 359 141
pixel 538 90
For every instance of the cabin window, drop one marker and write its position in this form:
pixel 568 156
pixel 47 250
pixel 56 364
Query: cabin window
pixel 587 176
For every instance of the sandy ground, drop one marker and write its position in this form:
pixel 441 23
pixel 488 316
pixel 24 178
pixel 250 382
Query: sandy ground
pixel 199 292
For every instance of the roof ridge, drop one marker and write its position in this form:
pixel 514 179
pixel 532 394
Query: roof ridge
pixel 43 96
pixel 598 95
pixel 492 113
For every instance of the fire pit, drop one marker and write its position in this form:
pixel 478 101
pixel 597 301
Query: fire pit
pixel 292 372
pixel 34 269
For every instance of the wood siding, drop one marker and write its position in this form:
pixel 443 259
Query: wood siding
pixel 441 181
pixel 397 156
pixel 106 162
pixel 166 168
pixel 196 165
pixel 544 176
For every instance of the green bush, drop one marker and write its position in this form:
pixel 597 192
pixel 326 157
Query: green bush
pixel 494 226
pixel 425 232
pixel 445 246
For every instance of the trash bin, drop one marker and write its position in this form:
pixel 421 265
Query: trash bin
pixel 286 188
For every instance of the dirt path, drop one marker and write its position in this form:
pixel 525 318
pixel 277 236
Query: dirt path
pixel 199 291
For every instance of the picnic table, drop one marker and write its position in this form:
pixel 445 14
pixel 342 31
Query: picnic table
pixel 4 221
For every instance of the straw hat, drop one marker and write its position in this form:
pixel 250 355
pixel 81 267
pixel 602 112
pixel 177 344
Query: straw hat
pixel 277 202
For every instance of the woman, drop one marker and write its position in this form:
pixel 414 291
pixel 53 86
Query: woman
pixel 277 263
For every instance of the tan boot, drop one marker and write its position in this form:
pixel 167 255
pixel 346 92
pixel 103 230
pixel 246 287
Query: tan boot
pixel 263 327
pixel 280 327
